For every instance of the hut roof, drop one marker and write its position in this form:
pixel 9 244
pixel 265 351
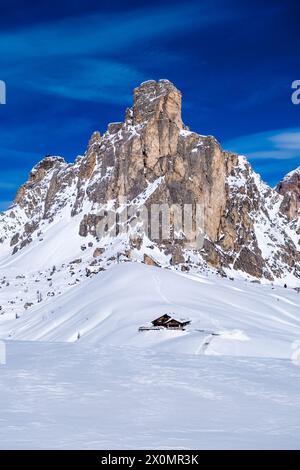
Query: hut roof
pixel 169 316
pixel 180 320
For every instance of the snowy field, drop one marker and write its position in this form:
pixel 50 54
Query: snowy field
pixel 66 396
pixel 231 380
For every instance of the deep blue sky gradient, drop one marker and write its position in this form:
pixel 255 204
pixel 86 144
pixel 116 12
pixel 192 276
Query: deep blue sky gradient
pixel 70 68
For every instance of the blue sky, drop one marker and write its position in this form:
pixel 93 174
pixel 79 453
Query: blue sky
pixel 70 69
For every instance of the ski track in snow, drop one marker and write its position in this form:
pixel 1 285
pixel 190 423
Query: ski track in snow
pixel 159 290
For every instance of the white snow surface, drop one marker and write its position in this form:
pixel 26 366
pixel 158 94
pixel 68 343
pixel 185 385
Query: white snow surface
pixel 69 396
pixel 230 380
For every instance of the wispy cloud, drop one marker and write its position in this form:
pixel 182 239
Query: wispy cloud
pixel 105 33
pixel 288 140
pixel 266 148
pixel 95 80
pixel 277 144
pixel 79 57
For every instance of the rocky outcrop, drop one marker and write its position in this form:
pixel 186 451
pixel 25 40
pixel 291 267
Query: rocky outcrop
pixel 98 252
pixel 289 187
pixel 149 261
pixel 290 183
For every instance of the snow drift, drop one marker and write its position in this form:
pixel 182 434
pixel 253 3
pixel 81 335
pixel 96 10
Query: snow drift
pixel 227 317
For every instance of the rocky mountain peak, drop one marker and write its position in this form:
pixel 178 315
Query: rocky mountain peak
pixel 94 140
pixel 289 187
pixel 160 101
pixel 290 183
pixel 41 168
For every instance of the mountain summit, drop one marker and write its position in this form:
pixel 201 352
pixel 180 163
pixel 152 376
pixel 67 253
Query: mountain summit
pixel 151 159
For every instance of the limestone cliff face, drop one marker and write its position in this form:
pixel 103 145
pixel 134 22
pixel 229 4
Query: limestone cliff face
pixel 153 143
pixel 153 157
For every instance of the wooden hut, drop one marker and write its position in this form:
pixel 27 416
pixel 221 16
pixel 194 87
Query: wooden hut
pixel 170 322
pixel 166 321
pixel 174 324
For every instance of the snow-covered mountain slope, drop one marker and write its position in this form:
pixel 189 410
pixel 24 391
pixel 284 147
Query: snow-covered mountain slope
pixel 84 377
pixel 235 318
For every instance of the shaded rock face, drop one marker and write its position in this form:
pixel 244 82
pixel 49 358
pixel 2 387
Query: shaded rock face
pixel 46 180
pixel 289 187
pixel 153 158
pixel 290 205
pixel 290 183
